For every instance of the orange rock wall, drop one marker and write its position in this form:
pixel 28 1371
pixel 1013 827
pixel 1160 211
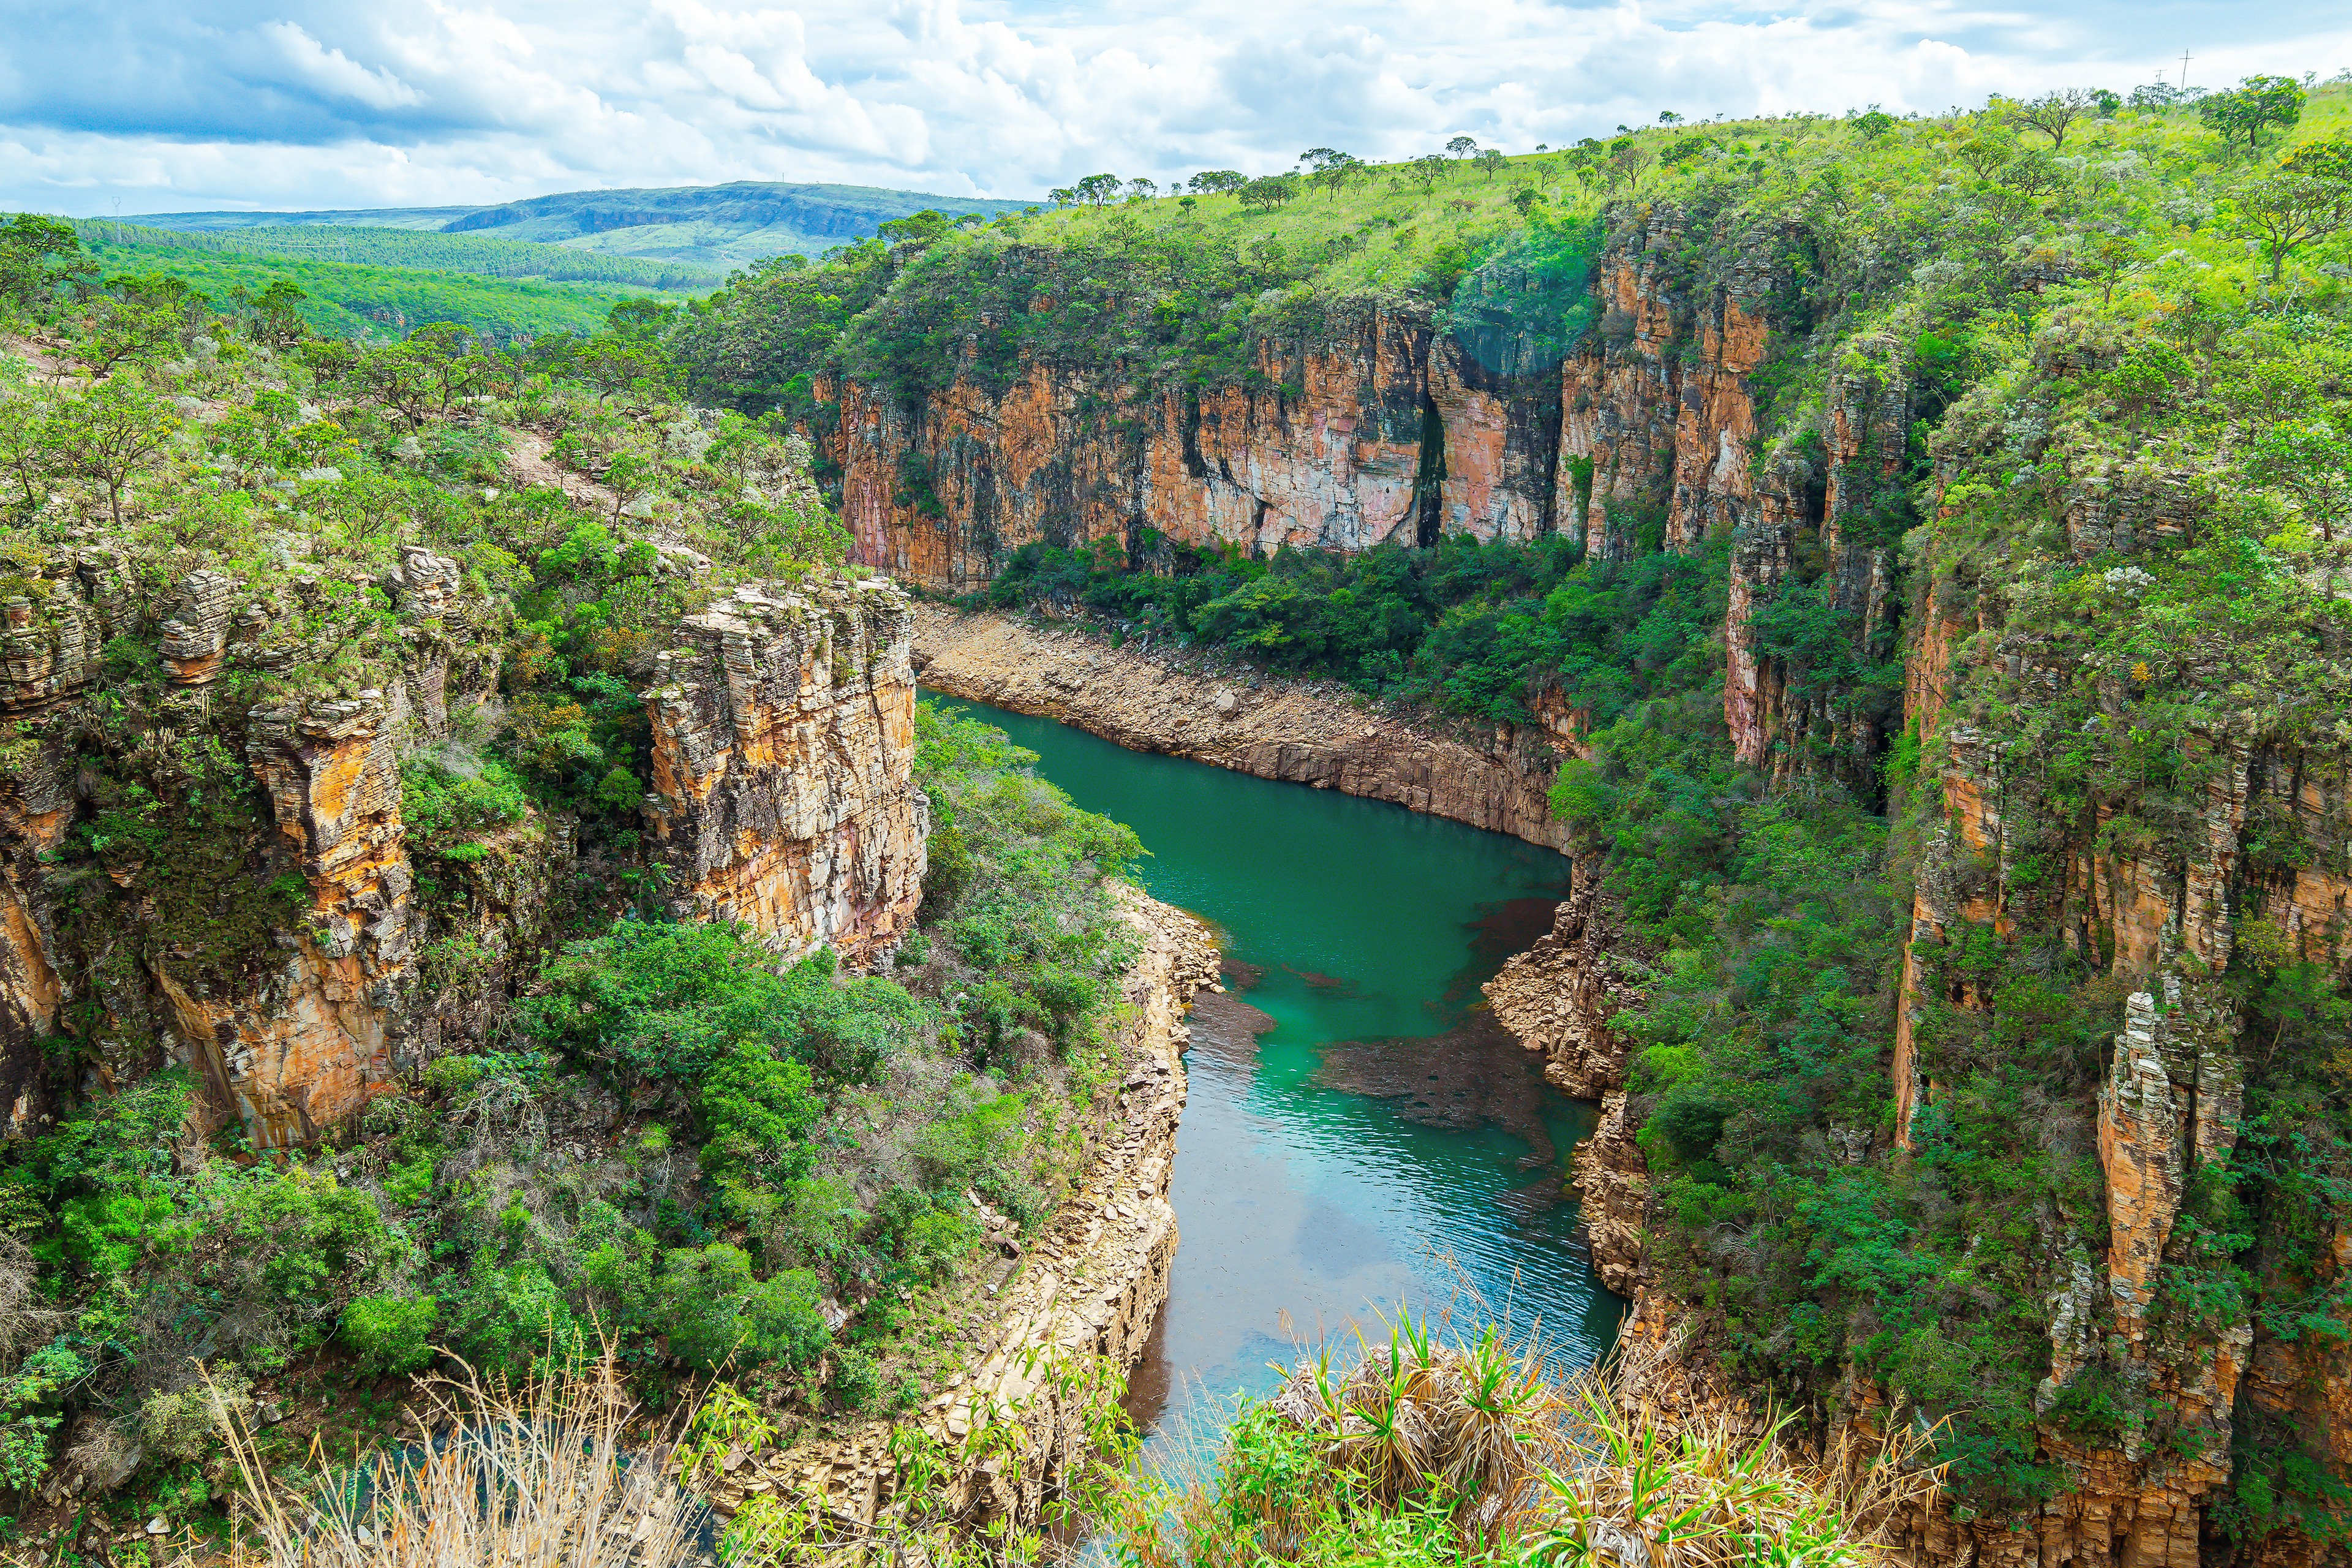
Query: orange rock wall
pixel 1388 426
pixel 784 727
pixel 325 1008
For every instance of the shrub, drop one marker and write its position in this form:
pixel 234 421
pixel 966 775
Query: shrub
pixel 389 1332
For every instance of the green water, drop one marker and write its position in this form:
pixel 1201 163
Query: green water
pixel 1358 1133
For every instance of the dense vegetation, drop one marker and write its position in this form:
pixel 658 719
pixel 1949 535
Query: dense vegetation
pixel 1470 627
pixel 655 1137
pixel 483 254
pixel 383 297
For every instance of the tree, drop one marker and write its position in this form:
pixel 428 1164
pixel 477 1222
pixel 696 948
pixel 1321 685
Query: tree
pixel 2308 197
pixel 2053 112
pixel 25 450
pixel 1463 146
pixel 1873 124
pixel 1096 190
pixel 1491 162
pixel 1668 117
pixel 276 319
pixel 1064 195
pixel 2310 459
pixel 1269 191
pixel 1527 198
pixel 38 255
pixel 917 230
pixel 1319 159
pixel 1218 181
pixel 109 432
pixel 2252 108
pixel 1142 190
pixel 1428 169
pixel 115 329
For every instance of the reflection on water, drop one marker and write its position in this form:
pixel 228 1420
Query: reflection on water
pixel 1359 1129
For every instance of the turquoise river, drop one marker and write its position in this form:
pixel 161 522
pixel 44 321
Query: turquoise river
pixel 1359 1132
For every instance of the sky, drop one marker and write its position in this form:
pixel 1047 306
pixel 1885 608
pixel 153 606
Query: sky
pixel 121 107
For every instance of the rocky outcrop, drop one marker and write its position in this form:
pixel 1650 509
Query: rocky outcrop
pixel 1082 1297
pixel 248 903
pixel 784 725
pixel 1496 776
pixel 303 1052
pixel 1560 999
pixel 1384 424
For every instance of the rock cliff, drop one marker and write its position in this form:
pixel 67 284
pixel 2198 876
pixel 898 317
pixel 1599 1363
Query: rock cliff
pixel 1390 425
pixel 1493 776
pixel 213 871
pixel 783 726
pixel 1560 998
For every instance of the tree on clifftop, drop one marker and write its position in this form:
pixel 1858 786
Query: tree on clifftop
pixel 2308 197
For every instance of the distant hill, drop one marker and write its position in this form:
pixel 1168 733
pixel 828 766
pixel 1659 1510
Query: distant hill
pixel 365 217
pixel 703 225
pixel 388 247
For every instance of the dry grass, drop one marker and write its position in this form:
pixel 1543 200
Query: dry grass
pixel 545 1472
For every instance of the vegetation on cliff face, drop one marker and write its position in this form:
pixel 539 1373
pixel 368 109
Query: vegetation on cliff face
pixel 2076 375
pixel 624 1129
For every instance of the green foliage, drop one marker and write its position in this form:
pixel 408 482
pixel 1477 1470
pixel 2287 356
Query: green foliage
pixel 391 1333
pixel 409 248
pixel 757 1112
pixel 1468 626
pixel 672 1001
pixel 2254 107
pixel 717 1315
pixel 442 809
pixel 1017 888
pixel 353 300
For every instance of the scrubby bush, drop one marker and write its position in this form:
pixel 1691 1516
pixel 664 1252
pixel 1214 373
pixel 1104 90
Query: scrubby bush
pixel 391 1333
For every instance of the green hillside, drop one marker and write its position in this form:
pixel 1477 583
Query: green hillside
pixel 432 218
pixel 711 227
pixel 351 301
pixel 412 248
pixel 714 224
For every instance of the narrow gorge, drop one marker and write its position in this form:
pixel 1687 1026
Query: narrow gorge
pixel 1946 592
pixel 1724 753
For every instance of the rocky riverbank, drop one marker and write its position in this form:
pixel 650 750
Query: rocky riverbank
pixel 1211 708
pixel 1086 1289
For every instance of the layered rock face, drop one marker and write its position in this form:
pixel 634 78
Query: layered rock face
pixel 258 920
pixel 1491 776
pixel 783 797
pixel 1088 1288
pixel 1390 426
pixel 2162 917
pixel 2169 1105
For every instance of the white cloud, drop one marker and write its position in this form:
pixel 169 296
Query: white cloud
pixel 334 73
pixel 153 104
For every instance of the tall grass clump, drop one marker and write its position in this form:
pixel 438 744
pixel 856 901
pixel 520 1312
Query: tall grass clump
pixel 1425 1451
pixel 548 1470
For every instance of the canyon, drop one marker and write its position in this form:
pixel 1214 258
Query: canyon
pixel 1660 426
